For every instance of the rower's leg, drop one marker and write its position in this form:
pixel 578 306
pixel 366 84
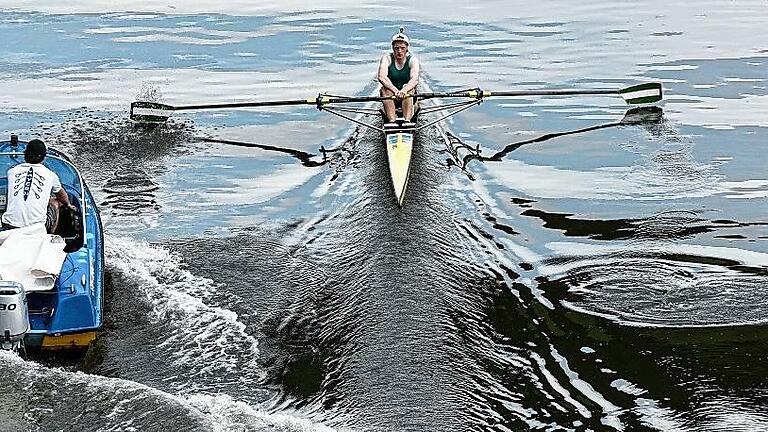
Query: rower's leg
pixel 389 105
pixel 408 109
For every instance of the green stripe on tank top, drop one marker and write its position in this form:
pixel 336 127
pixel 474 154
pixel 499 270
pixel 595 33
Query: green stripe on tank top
pixel 399 76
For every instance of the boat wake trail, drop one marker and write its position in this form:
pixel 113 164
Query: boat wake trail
pixel 188 344
pixel 361 315
pixel 415 318
pixel 385 348
pixel 170 351
pixel 102 403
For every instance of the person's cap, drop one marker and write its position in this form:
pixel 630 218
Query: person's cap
pixel 35 148
pixel 401 37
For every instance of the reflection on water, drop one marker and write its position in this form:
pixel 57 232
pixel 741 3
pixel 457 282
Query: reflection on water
pixel 647 117
pixel 559 264
pixel 305 158
pixel 130 190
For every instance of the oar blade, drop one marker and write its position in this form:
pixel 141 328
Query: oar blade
pixel 150 112
pixel 642 93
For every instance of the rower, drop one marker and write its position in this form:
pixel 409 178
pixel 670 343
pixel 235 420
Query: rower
pixel 399 76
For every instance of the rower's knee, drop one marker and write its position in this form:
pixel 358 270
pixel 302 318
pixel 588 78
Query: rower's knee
pixel 384 92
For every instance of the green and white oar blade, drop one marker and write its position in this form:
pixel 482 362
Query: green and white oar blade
pixel 642 93
pixel 150 112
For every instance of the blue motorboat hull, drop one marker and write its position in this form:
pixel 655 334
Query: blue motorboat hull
pixel 69 315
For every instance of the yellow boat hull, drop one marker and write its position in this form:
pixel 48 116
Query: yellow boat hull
pixel 399 149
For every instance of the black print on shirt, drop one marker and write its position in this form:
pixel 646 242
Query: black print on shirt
pixel 31 182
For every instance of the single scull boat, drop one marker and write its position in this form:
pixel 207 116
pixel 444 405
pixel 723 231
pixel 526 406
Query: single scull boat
pixel 398 139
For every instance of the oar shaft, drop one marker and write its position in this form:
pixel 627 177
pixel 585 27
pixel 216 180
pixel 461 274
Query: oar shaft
pixel 485 93
pixel 320 100
pixel 155 112
pixel 552 92
pixel 244 104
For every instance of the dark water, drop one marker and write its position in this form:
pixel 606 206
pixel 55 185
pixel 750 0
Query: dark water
pixel 589 269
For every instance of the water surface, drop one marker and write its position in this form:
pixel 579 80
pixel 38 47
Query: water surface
pixel 589 269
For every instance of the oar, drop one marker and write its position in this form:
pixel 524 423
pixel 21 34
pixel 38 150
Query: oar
pixel 637 94
pixel 155 112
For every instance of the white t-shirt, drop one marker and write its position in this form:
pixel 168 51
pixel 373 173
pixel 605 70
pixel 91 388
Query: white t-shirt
pixel 30 186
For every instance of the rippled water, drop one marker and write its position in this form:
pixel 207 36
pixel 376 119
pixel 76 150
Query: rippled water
pixel 559 264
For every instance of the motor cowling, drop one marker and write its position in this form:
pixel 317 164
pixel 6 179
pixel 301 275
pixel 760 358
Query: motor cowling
pixel 14 318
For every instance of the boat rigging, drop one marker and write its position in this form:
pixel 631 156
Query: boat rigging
pixel 398 138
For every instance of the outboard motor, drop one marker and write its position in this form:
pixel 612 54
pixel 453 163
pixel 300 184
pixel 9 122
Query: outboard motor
pixel 14 319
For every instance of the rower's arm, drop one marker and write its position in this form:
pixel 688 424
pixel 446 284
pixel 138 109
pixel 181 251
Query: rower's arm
pixel 414 81
pixel 383 72
pixel 63 197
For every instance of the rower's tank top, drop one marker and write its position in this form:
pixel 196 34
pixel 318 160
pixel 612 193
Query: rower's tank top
pixel 399 76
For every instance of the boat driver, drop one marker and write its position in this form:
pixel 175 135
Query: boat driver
pixel 34 192
pixel 399 76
